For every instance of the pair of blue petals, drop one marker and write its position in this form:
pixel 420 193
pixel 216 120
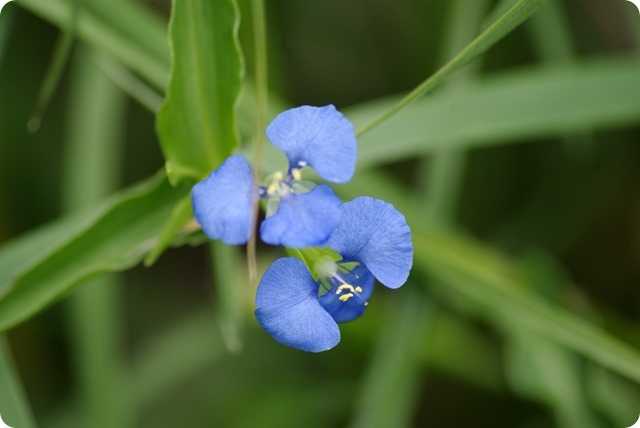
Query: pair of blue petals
pixel 318 137
pixel 372 234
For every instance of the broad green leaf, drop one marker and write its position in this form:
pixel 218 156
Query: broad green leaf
pixel 114 238
pixel 197 122
pixel 509 108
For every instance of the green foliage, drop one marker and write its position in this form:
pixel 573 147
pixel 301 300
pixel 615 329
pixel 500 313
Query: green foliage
pixel 506 109
pixel 478 307
pixel 196 124
pixel 115 237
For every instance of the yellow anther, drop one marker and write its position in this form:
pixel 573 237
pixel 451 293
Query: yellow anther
pixel 345 297
pixel 297 175
pixel 274 187
pixel 358 289
pixel 345 287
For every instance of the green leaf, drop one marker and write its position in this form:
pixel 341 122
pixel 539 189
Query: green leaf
pixel 197 123
pixel 114 238
pixel 539 103
pixel 181 215
pixel 468 270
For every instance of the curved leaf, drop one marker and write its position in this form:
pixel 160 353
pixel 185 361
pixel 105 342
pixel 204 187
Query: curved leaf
pixel 197 124
pixel 38 271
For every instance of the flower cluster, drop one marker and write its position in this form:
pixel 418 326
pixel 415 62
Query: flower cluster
pixel 345 246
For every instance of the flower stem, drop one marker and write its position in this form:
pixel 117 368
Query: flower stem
pixel 61 55
pixel 516 14
pixel 262 102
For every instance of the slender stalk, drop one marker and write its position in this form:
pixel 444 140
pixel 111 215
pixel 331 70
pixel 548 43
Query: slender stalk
pixel 511 19
pixel 13 402
pixel 262 103
pixel 225 261
pixel 61 54
pixel 94 313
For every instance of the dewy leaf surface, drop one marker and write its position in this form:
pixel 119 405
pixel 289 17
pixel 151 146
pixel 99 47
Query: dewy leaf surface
pixel 197 124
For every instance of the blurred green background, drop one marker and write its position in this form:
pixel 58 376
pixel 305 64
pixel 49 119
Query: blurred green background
pixel 549 203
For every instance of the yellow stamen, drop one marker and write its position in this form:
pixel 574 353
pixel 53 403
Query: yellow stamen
pixel 345 297
pixel 297 175
pixel 358 289
pixel 346 287
pixel 274 187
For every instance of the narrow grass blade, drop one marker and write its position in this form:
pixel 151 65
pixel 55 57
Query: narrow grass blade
pixel 559 100
pixel 61 54
pixel 509 20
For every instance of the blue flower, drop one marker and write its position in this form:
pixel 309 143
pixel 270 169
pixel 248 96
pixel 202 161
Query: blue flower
pixel 318 137
pixel 373 241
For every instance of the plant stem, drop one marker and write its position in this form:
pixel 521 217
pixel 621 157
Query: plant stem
pixel 262 105
pixel 507 22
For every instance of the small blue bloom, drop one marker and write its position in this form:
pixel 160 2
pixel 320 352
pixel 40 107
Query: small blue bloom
pixel 373 240
pixel 319 137
pixel 303 218
pixel 222 203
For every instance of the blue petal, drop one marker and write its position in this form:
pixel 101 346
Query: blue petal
pixel 318 136
pixel 354 306
pixel 374 233
pixel 303 220
pixel 289 310
pixel 223 202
